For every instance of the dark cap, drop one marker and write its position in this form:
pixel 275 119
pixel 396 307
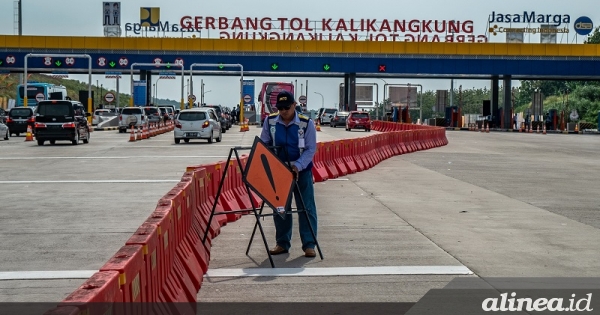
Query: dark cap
pixel 285 99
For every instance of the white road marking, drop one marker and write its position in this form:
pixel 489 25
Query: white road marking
pixel 340 271
pixel 263 272
pixel 112 157
pixel 339 179
pixel 117 181
pixel 46 275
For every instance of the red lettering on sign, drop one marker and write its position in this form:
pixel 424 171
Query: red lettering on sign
pixel 282 23
pixel 237 24
pixel 325 25
pixel 265 24
pixel 223 23
pixel 341 25
pixel 371 25
pixel 210 22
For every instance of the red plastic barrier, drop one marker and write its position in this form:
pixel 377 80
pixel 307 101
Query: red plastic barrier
pixel 96 296
pixel 147 236
pixel 212 183
pixel 227 199
pixel 238 188
pixel 357 155
pixel 204 207
pixel 394 142
pixel 319 170
pixel 347 156
pixel 162 218
pixel 369 153
pixel 177 203
pixel 328 160
pixel 129 262
pixel 337 158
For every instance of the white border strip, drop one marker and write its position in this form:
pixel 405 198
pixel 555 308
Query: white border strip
pixel 118 181
pixel 262 272
pixel 46 275
pixel 112 157
pixel 339 271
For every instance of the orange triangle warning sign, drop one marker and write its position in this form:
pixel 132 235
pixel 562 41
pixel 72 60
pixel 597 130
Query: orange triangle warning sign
pixel 269 177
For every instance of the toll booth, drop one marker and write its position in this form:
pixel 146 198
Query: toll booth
pixel 453 116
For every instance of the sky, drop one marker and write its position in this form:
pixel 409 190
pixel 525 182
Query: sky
pixel 85 17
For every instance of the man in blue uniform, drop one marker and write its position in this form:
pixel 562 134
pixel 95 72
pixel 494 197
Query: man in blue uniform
pixel 298 135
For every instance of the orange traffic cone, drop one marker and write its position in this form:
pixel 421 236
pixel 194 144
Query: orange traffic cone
pixel 132 135
pixel 144 132
pixel 318 125
pixel 544 130
pixel 29 134
pixel 538 129
pixel 577 128
pixel 487 128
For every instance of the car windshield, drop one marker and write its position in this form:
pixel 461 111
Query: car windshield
pixel 360 115
pixel 55 110
pixel 342 114
pixel 330 110
pixel 20 112
pixel 151 111
pixel 192 116
pixel 131 111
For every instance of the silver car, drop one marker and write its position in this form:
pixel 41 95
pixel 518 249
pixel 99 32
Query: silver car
pixel 4 133
pixel 197 123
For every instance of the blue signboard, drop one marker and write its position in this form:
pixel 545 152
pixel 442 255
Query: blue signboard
pixel 248 92
pixel 139 93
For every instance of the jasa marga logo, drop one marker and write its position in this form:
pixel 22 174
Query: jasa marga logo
pixel 583 25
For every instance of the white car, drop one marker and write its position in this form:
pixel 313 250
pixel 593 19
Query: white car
pixel 100 115
pixel 197 123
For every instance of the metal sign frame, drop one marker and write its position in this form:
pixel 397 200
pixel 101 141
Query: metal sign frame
pixel 156 65
pixel 89 102
pixel 223 65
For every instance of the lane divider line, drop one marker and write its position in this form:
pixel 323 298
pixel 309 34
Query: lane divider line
pixel 118 181
pixel 339 271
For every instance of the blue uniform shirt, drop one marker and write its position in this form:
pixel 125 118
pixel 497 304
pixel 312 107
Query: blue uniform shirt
pixel 289 136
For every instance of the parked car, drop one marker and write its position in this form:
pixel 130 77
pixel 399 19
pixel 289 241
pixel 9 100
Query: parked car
pixel 131 117
pixel 327 115
pixel 339 119
pixel 197 123
pixel 61 120
pixel 4 132
pixel 358 120
pixel 19 118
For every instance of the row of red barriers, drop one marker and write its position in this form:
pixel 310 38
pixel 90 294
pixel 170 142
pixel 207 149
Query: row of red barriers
pixel 165 259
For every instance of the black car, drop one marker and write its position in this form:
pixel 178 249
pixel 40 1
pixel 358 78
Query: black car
pixel 339 119
pixel 61 120
pixel 221 116
pixel 19 118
